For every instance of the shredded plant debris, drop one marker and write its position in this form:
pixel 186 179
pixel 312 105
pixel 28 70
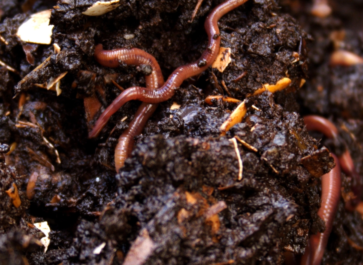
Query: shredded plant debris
pixel 225 171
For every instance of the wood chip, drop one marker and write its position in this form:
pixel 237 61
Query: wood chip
pixel 98 249
pixel 140 250
pixel 44 227
pixel 37 28
pixel 175 106
pixel 302 82
pixel 223 59
pixel 280 85
pixel 190 198
pixel 99 8
pixel 183 215
pixel 57 49
pixel 236 117
pixel 13 193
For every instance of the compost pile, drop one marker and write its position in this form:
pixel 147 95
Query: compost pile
pixel 187 194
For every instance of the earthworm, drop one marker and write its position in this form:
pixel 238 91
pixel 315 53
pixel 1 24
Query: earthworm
pixel 126 140
pixel 179 75
pixel 320 124
pixel 317 123
pixel 112 58
pixel 330 194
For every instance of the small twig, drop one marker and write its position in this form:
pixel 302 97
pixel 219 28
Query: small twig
pixel 196 10
pixel 117 85
pixel 215 79
pixel 3 40
pixel 234 141
pixel 215 209
pixel 252 148
pixel 255 108
pixel 226 88
pixel 209 99
pixel 240 76
pixel 51 146
pixel 8 67
pixel 24 124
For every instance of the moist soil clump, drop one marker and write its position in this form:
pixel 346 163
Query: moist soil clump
pixel 187 194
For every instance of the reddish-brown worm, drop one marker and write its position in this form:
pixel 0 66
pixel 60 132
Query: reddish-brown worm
pixel 179 75
pixel 112 58
pixel 317 123
pixel 330 195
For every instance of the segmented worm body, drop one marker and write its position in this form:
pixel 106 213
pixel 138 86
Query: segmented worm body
pixel 331 184
pixel 179 75
pixel 317 123
pixel 330 195
pixel 113 58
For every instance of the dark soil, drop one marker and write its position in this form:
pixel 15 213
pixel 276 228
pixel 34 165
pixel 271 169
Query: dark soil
pixel 178 196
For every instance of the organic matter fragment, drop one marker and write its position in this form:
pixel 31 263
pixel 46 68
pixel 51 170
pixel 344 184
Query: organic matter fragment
pixel 13 193
pixel 345 58
pixel 37 28
pixel 99 8
pixel 236 117
pixel 223 59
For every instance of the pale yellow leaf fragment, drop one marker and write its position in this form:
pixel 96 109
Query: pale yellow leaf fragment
pixel 100 8
pixel 44 227
pixel 37 29
pixel 175 106
pixel 223 59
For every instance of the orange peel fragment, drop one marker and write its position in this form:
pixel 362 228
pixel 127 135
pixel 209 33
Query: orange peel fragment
pixel 280 85
pixel 13 193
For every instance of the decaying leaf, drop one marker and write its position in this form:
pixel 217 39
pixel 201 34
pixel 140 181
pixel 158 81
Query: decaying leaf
pixel 223 59
pixel 100 8
pixel 44 227
pixel 37 28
